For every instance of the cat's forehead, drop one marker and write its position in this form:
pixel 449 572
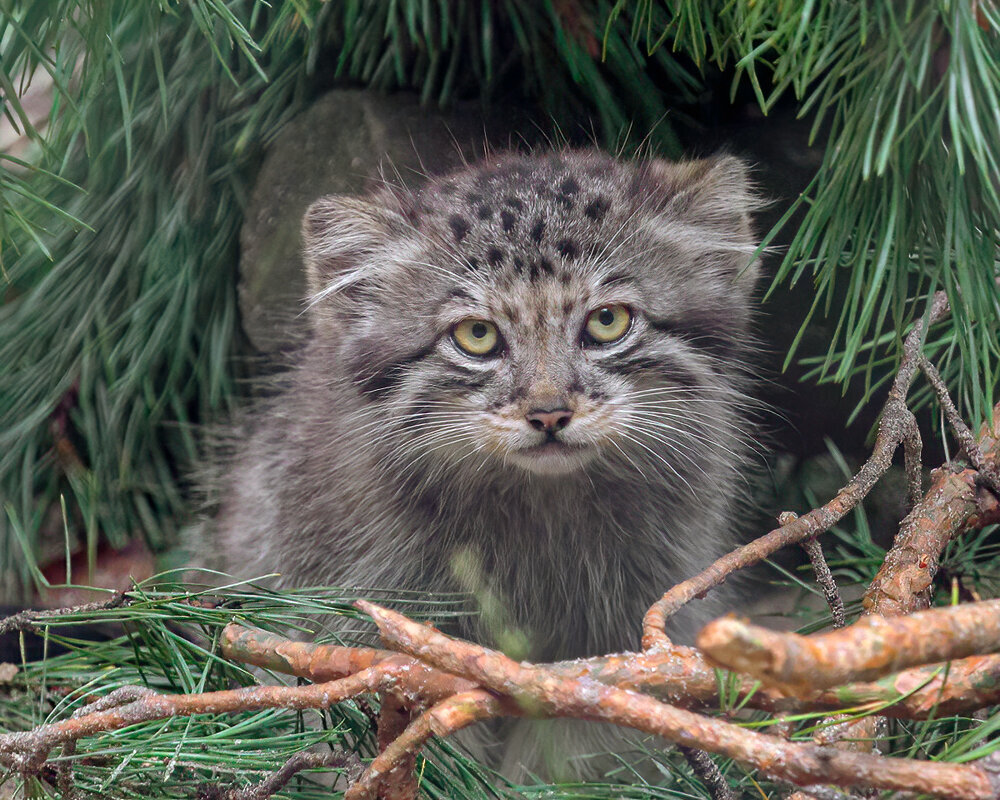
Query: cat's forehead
pixel 533 218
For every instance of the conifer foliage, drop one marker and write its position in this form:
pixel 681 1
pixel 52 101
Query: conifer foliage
pixel 119 333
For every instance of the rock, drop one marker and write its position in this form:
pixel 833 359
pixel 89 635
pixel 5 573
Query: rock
pixel 343 143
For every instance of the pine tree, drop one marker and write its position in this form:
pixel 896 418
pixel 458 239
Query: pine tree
pixel 118 327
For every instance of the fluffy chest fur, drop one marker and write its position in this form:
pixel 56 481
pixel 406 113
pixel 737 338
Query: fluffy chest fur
pixel 525 381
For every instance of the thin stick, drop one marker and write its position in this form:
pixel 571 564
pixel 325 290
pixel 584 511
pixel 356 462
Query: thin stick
pixel 334 759
pixel 961 431
pixel 821 570
pixel 826 581
pixel 708 771
pixel 28 620
pixel 23 749
pixel 912 464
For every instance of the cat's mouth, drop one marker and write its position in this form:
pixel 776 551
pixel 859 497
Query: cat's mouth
pixel 552 456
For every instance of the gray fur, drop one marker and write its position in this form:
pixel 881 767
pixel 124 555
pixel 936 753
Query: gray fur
pixel 394 460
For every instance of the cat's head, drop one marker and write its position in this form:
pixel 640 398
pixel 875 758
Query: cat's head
pixel 543 312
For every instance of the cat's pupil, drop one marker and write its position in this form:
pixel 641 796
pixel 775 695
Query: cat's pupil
pixel 606 316
pixel 479 330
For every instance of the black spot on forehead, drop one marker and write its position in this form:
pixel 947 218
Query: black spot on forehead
pixel 539 267
pixel 507 221
pixel 538 230
pixel 494 256
pixel 569 186
pixel 460 226
pixel 596 208
pixel 547 199
pixel 568 248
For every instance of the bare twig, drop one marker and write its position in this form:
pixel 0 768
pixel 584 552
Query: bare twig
pixel 399 782
pixel 332 759
pixel 988 472
pixel 870 648
pixel 953 503
pixel 64 773
pixel 23 750
pixel 821 570
pixel 912 464
pixel 708 772
pixel 547 694
pixel 445 718
pixel 121 696
pixel 29 620
pixel 825 579
pixel 323 662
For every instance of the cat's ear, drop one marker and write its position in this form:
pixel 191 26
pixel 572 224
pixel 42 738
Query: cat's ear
pixel 707 206
pixel 340 234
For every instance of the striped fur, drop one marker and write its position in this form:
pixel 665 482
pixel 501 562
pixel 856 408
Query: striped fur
pixel 395 460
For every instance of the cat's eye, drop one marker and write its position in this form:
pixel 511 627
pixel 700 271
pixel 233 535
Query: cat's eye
pixel 477 337
pixel 607 324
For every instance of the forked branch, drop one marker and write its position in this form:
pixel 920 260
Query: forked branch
pixel 435 685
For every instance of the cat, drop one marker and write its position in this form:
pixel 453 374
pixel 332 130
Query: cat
pixel 527 379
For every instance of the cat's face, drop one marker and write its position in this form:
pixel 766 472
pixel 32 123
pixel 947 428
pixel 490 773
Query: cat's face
pixel 543 313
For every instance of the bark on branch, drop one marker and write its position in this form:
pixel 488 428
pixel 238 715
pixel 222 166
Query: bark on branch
pixel 869 649
pixel 895 426
pixel 539 692
pixel 433 685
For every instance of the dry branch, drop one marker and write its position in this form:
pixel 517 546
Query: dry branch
pixel 895 426
pixel 708 773
pixel 30 620
pixel 954 502
pixel 25 750
pixel 418 683
pixel 445 718
pixel 680 676
pixel 871 648
pixel 540 692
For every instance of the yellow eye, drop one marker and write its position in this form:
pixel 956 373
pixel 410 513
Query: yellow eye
pixel 608 323
pixel 477 337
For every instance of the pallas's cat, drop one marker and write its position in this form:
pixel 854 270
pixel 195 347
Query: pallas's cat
pixel 526 379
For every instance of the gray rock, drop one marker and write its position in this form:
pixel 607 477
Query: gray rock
pixel 342 144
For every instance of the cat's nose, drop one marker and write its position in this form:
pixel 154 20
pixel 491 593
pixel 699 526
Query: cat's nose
pixel 549 421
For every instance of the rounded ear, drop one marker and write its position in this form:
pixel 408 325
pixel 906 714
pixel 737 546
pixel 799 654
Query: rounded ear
pixel 340 233
pixel 707 206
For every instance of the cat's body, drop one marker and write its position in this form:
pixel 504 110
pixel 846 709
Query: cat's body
pixel 525 380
